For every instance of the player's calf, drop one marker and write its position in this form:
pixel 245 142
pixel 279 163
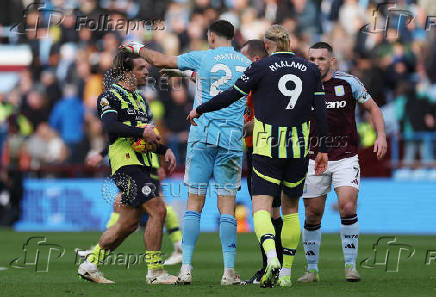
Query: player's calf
pixel 350 239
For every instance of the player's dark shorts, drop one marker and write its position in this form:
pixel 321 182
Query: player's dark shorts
pixel 271 176
pixel 136 184
pixel 277 201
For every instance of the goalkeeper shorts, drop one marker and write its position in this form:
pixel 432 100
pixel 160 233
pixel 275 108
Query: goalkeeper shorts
pixel 204 160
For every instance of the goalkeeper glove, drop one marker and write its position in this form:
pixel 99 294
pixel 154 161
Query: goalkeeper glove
pixel 132 46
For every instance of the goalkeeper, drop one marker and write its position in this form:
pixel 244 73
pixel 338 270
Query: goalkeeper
pixel 122 109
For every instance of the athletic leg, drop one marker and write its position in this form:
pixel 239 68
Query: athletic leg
pixel 314 209
pixel 346 181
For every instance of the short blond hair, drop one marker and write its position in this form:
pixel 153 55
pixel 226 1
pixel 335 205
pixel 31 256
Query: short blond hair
pixel 280 36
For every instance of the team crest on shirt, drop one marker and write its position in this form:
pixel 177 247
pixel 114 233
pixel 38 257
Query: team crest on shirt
pixel 339 90
pixel 104 103
pixel 146 190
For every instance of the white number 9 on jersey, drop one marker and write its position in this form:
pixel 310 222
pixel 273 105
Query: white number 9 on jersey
pixel 293 94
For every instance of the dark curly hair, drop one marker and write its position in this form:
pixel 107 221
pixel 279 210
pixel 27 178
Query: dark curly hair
pixel 122 62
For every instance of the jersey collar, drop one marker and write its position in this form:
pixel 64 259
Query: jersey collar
pixel 124 89
pixel 283 53
pixel 225 47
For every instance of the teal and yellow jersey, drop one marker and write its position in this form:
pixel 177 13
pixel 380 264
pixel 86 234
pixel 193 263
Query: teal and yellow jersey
pixel 133 110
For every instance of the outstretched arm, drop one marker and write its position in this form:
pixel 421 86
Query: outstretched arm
pixel 153 57
pixel 241 88
pixel 221 100
pixel 158 59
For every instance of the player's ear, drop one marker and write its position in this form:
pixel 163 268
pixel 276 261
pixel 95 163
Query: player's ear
pixel 333 61
pixel 266 43
pixel 211 36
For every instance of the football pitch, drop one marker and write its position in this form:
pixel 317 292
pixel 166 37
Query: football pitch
pixel 397 266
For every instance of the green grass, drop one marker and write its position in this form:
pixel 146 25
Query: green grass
pixel 414 278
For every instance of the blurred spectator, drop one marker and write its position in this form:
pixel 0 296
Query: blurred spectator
pixel 14 162
pixel 351 16
pixel 308 14
pixel 416 117
pixel 175 121
pixel 67 118
pixel 51 86
pixel 35 108
pixel 45 148
pixel 68 30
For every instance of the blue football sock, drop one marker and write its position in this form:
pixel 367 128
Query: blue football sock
pixel 228 239
pixel 191 230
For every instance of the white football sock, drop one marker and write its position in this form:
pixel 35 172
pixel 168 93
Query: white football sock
pixel 311 244
pixel 350 242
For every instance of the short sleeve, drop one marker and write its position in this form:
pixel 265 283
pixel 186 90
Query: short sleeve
pixel 106 103
pixel 359 92
pixel 190 61
pixel 249 79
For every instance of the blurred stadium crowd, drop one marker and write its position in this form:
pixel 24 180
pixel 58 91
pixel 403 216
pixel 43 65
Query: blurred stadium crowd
pixel 48 114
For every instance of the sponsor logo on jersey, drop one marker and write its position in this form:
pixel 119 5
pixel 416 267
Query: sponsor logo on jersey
pixel 339 91
pixel 135 111
pixel 336 104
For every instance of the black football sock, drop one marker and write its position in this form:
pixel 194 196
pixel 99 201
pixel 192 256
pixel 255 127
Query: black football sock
pixel 278 224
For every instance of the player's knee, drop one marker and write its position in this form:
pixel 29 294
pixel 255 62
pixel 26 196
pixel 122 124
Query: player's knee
pixel 347 209
pixel 313 215
pixel 158 211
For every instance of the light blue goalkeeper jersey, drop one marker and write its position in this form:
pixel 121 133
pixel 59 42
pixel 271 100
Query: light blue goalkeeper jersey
pixel 217 70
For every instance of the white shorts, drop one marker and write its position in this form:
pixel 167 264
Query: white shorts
pixel 344 172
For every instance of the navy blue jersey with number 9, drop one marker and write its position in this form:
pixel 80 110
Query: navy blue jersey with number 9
pixel 285 88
